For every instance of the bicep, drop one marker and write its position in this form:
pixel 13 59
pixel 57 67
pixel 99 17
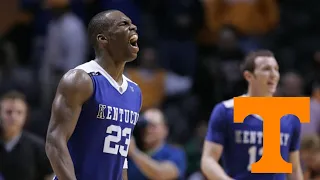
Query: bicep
pixel 73 90
pixel 217 125
pixel 63 116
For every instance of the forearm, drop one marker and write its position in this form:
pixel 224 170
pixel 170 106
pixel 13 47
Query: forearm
pixel 294 159
pixel 60 160
pixel 148 166
pixel 212 170
pixel 296 175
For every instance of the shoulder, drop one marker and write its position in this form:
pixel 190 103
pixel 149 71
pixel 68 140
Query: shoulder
pixel 76 78
pixel 75 85
pixel 88 67
pixel 224 106
pixel 228 104
pixel 293 119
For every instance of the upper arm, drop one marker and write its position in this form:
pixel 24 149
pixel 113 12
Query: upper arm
pixel 295 137
pixel 217 125
pixel 73 90
pixel 215 138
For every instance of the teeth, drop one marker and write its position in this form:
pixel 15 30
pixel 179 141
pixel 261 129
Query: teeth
pixel 134 38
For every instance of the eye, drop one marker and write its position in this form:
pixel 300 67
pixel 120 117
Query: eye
pixel 123 23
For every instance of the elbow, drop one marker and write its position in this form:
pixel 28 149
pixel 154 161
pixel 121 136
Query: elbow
pixel 204 164
pixel 51 145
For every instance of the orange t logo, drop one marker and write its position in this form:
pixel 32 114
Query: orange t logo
pixel 271 109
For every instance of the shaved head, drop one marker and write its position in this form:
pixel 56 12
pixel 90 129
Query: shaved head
pixel 100 23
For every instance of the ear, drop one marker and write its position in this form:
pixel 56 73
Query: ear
pixel 102 38
pixel 247 75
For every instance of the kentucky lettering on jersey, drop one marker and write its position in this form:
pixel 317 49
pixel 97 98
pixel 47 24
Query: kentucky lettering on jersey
pixel 243 142
pixel 255 137
pixel 100 142
pixel 117 114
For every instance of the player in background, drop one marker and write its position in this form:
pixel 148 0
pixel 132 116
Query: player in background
pixel 240 145
pixel 96 107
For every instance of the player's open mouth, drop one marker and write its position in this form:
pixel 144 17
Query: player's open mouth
pixel 133 41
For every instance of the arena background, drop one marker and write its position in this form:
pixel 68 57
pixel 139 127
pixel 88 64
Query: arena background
pixel 194 48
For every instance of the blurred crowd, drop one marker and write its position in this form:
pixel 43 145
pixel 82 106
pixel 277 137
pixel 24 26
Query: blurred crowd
pixel 190 52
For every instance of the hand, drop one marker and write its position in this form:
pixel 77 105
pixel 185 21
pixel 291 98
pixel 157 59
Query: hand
pixel 132 146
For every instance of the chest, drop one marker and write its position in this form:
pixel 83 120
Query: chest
pixel 119 108
pixel 251 130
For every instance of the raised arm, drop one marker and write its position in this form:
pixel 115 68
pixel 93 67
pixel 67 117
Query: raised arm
pixel 74 89
pixel 213 145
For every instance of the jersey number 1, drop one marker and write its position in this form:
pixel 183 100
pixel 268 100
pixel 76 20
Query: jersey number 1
pixel 119 133
pixel 253 155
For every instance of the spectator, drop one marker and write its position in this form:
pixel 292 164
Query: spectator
pixel 250 18
pixel 155 159
pixel 310 146
pixel 22 154
pixel 291 84
pixel 66 46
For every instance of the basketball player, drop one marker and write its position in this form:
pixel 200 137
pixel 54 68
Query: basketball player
pixel 96 107
pixel 240 145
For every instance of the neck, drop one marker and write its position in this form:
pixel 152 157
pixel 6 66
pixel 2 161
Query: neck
pixel 8 136
pixel 115 70
pixel 253 92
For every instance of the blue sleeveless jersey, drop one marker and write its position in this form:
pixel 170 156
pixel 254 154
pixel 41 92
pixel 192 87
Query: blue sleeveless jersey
pixel 99 144
pixel 242 142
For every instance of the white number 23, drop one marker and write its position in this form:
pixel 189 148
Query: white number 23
pixel 119 133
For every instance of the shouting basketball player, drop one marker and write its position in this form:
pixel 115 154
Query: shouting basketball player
pixel 96 107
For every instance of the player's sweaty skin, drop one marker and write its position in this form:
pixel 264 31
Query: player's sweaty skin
pixel 73 90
